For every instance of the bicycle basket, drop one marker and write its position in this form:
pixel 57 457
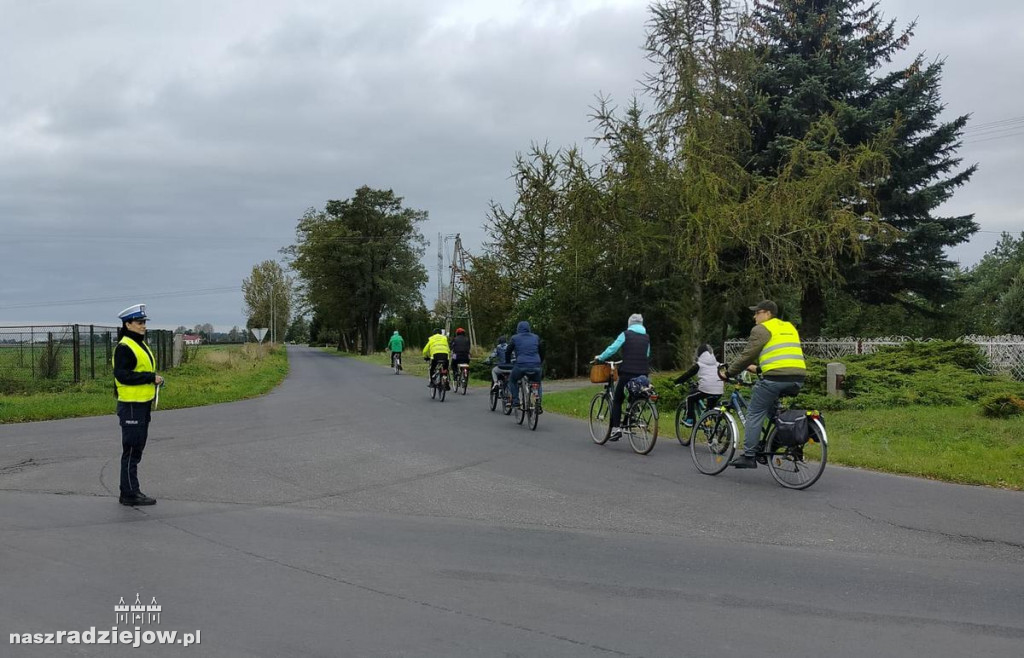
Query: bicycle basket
pixel 791 428
pixel 639 386
pixel 600 372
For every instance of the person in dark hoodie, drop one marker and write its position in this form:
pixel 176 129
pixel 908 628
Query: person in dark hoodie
pixel 526 346
pixel 709 385
pixel 135 383
pixel 636 361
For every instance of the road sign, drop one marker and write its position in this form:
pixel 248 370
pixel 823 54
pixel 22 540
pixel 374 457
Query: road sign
pixel 259 332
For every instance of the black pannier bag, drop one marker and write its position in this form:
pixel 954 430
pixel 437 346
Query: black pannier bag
pixel 791 428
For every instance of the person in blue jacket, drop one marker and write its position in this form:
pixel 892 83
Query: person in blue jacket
pixel 636 361
pixel 526 346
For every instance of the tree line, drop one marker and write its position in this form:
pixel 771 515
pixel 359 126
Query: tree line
pixel 776 151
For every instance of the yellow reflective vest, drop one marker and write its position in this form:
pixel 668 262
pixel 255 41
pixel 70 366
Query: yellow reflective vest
pixel 783 349
pixel 144 362
pixel 436 344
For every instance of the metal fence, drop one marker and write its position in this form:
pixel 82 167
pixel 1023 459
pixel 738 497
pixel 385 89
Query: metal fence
pixel 1004 354
pixel 69 352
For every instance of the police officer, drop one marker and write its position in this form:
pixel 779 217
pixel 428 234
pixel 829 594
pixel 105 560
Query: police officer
pixel 136 381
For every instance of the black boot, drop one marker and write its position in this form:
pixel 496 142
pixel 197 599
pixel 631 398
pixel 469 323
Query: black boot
pixel 136 499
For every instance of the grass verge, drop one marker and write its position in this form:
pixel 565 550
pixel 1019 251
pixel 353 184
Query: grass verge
pixel 219 374
pixel 953 444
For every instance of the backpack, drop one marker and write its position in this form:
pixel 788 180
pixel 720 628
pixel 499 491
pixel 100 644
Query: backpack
pixel 791 428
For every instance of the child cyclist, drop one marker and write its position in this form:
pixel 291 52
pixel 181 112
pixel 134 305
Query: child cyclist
pixel 709 385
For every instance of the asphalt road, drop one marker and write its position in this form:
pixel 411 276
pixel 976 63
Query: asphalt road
pixel 347 514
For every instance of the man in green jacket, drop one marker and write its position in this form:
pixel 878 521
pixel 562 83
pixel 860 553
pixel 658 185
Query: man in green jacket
pixel 774 345
pixel 396 345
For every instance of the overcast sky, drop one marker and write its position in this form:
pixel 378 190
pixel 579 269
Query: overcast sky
pixel 155 151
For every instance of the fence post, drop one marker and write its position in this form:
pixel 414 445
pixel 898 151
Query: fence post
pixel 92 352
pixel 32 349
pixel 76 353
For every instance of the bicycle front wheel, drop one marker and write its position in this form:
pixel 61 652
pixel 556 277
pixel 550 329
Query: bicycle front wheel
pixel 433 390
pixel 642 426
pixel 600 430
pixel 798 467
pixel 714 441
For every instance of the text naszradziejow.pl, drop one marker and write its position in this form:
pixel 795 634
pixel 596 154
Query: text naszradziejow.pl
pixel 135 638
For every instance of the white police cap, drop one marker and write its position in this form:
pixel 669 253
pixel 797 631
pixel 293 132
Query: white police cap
pixel 137 312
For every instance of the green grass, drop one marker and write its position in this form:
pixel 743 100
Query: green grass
pixel 954 444
pixel 219 374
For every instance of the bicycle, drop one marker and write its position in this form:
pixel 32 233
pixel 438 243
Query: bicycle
pixel 601 403
pixel 684 431
pixel 641 420
pixel 715 439
pixel 462 378
pixel 529 394
pixel 396 362
pixel 499 391
pixel 439 383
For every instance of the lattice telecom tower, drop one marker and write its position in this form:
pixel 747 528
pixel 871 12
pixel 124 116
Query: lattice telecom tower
pixel 459 310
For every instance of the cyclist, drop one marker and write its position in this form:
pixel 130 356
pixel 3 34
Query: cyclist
pixel 636 361
pixel 709 385
pixel 460 348
pixel 774 345
pixel 526 347
pixel 436 351
pixel 502 364
pixel 396 345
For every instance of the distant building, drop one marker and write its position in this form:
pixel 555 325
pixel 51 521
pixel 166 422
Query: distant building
pixel 192 339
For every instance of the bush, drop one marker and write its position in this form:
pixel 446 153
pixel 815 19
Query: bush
pixel 1002 405
pixel 936 373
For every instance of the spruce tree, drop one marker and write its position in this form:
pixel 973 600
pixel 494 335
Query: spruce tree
pixel 833 57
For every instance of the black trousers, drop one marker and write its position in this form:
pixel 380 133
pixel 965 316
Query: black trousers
pixel 134 432
pixel 618 396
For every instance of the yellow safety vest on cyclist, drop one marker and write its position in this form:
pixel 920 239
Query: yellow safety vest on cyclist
pixel 436 344
pixel 783 349
pixel 143 363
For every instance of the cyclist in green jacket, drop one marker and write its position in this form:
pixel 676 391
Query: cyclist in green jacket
pixel 774 345
pixel 396 345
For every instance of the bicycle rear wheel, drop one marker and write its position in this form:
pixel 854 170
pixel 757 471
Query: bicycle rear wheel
pixel 523 395
pixel 714 441
pixel 433 389
pixel 683 433
pixel 532 411
pixel 600 430
pixel 494 397
pixel 465 380
pixel 506 400
pixel 443 387
pixel 642 426
pixel 798 467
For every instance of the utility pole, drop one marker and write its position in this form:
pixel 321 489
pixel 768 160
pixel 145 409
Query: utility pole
pixel 440 265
